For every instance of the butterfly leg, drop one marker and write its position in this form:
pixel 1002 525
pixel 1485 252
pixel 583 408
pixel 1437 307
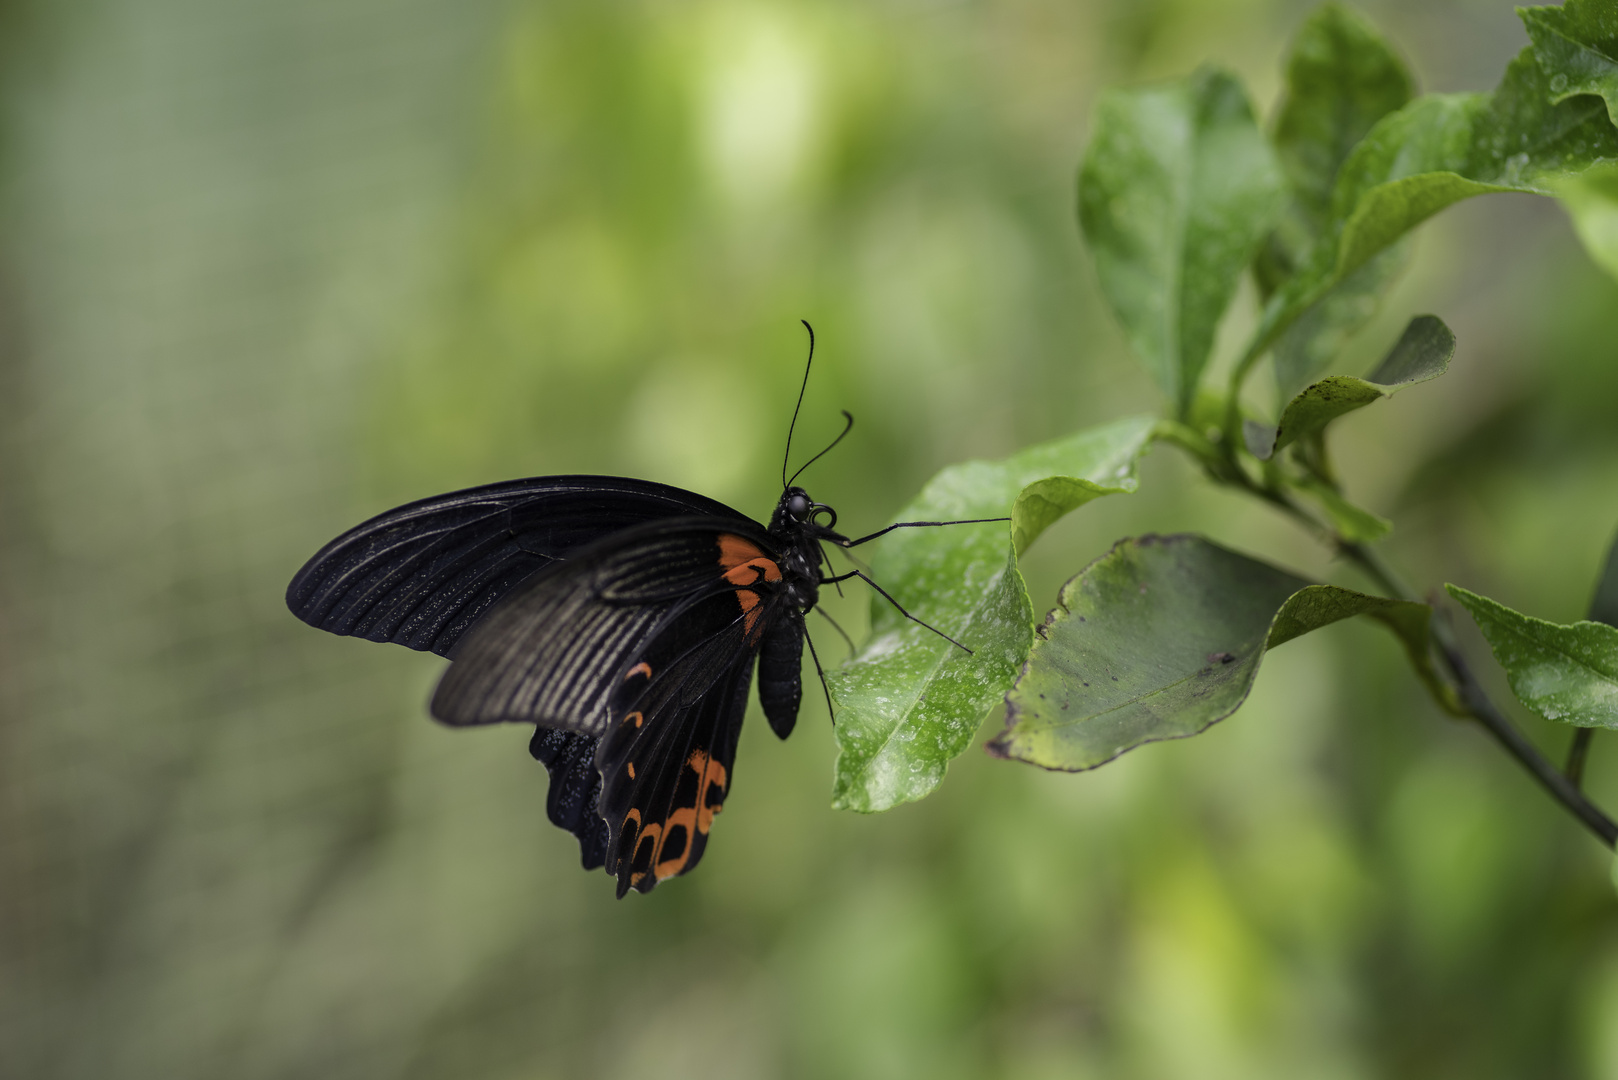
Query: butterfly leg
pixel 913 525
pixel 896 604
pixel 822 673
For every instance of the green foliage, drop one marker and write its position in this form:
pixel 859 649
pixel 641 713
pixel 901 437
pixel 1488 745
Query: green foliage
pixel 1566 673
pixel 1439 149
pixel 911 701
pixel 1160 639
pixel 1177 190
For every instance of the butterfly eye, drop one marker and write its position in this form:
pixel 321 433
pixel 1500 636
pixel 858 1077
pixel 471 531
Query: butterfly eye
pixel 798 506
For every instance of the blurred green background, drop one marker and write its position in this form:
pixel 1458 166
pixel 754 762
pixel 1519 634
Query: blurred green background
pixel 268 268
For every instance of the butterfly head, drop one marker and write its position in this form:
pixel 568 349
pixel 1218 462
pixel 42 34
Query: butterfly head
pixel 797 512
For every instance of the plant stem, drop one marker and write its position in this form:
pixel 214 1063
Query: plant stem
pixel 1563 787
pixel 1574 769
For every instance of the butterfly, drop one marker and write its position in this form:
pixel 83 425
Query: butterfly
pixel 624 618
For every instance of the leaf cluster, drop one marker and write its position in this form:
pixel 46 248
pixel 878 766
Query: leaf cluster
pixel 1181 193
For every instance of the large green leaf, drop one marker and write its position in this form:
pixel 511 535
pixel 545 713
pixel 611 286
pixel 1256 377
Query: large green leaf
pixel 1567 673
pixel 1578 44
pixel 1422 352
pixel 1591 200
pixel 1342 77
pixel 1161 638
pixel 910 701
pixel 1178 188
pixel 1439 149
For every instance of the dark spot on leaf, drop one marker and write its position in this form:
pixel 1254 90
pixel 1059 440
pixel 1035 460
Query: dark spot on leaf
pixel 1220 658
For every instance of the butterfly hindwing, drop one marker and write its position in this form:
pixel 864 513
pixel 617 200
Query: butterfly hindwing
pixel 570 758
pixel 667 760
pixel 423 574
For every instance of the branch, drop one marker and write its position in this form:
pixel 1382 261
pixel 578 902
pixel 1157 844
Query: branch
pixel 1559 785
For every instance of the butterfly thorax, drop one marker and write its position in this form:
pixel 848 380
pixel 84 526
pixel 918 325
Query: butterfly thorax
pixel 797 527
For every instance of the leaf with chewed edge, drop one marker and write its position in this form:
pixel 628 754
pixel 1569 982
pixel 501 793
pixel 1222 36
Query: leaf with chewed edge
pixel 1161 638
pixel 911 701
pixel 1422 353
pixel 1577 43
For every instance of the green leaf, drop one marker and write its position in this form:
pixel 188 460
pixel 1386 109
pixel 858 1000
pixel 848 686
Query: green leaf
pixel 1604 604
pixel 1437 150
pixel 1577 44
pixel 1591 200
pixel 1161 638
pixel 1422 352
pixel 910 701
pixel 1566 673
pixel 1178 188
pixel 1342 77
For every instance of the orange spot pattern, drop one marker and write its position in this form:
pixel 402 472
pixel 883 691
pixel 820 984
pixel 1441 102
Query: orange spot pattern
pixel 745 565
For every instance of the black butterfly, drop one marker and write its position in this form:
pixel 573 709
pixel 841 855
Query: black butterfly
pixel 623 617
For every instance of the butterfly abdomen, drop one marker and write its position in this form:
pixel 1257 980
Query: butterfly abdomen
pixel 780 668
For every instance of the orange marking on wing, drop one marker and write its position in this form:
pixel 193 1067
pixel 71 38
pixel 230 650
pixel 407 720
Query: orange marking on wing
pixel 651 834
pixel 684 817
pixel 642 668
pixel 637 717
pixel 694 819
pixel 746 565
pixel 709 772
pixel 632 770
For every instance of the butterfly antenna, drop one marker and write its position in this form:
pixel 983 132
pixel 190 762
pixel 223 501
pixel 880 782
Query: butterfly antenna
pixel 818 671
pixel 847 427
pixel 785 483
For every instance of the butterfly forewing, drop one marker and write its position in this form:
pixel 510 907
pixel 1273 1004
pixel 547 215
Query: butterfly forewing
pixel 554 651
pixel 422 574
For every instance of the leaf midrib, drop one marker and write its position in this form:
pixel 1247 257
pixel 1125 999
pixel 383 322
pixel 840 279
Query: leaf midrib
pixel 1611 679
